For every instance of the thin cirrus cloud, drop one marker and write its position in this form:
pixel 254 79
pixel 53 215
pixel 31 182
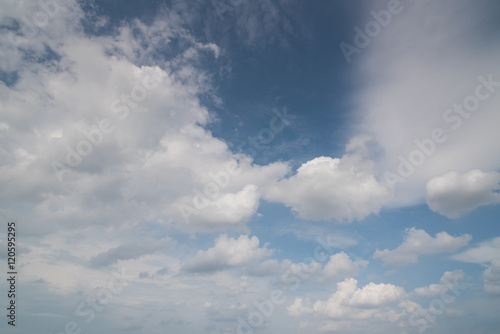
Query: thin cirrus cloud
pixel 418 242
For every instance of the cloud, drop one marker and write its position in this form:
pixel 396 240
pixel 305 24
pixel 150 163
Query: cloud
pixel 228 253
pixel 429 45
pixel 454 194
pixel 351 302
pixel 418 242
pixel 484 252
pixel 130 251
pixel 449 278
pixel 491 277
pixel 341 266
pixel 325 188
pixel 158 154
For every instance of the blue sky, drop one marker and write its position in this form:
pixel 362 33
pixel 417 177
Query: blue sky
pixel 230 166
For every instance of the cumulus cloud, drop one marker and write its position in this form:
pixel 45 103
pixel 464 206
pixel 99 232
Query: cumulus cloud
pixel 341 266
pixel 351 302
pixel 228 253
pixel 325 188
pixel 418 242
pixel 156 155
pixel 454 194
pixel 448 280
pixel 129 251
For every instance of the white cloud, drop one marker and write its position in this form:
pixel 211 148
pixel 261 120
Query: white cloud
pixel 418 242
pixel 454 194
pixel 491 278
pixel 341 266
pixel 159 153
pixel 372 295
pixel 325 188
pixel 484 252
pixel 427 60
pixel 449 279
pixel 351 302
pixel 228 253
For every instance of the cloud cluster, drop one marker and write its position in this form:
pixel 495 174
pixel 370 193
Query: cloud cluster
pixel 351 302
pixel 418 242
pixel 133 145
pixel 454 194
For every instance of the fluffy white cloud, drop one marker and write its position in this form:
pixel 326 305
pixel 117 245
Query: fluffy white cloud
pixel 449 279
pixel 352 302
pixel 418 242
pixel 454 194
pixel 228 253
pixel 325 188
pixel 341 266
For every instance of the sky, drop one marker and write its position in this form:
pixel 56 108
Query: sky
pixel 235 167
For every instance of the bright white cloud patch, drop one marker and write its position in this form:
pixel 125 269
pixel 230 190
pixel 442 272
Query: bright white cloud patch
pixel 418 242
pixel 352 302
pixel 325 188
pixel 341 266
pixel 228 253
pixel 454 194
